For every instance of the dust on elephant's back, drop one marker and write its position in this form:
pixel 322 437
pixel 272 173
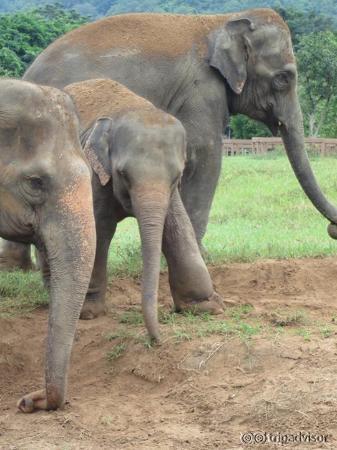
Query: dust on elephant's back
pixel 111 99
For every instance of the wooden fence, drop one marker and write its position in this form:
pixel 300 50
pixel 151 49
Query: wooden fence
pixel 260 146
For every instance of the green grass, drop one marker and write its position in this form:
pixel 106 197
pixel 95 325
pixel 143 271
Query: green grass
pixel 240 322
pixel 117 351
pixel 259 211
pixel 132 317
pixel 21 292
pixel 304 333
pixel 288 318
pixel 176 328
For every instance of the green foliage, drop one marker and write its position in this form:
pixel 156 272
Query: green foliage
pixel 24 35
pixel 171 6
pixel 303 22
pixel 244 128
pixel 329 127
pixel 317 61
pixel 313 14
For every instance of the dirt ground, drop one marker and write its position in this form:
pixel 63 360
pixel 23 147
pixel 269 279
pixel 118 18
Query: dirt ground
pixel 195 391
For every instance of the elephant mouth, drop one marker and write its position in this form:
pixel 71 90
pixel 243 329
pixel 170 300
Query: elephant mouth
pixel 275 127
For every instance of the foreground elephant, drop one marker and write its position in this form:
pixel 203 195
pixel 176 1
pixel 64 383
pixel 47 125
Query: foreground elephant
pixel 138 154
pixel 45 199
pixel 201 69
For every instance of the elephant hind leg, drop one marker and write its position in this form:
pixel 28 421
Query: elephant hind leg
pixel 94 305
pixel 15 256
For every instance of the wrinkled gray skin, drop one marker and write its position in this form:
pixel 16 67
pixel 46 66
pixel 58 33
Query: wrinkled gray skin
pixel 45 199
pixel 201 69
pixel 138 153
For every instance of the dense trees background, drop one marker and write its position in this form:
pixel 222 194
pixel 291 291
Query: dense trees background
pixel 23 35
pixel 28 26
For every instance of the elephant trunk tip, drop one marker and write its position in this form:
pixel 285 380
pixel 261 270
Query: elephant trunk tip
pixel 332 230
pixel 151 319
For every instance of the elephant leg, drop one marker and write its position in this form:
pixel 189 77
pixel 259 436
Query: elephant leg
pixel 15 256
pixel 198 186
pixel 94 304
pixel 190 282
pixel 44 267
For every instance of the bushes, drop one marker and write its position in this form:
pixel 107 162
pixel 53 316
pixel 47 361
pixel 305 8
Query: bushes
pixel 24 35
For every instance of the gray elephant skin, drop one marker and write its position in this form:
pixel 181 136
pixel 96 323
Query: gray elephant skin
pixel 201 69
pixel 138 153
pixel 46 199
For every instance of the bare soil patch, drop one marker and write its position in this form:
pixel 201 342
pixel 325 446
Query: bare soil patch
pixel 195 391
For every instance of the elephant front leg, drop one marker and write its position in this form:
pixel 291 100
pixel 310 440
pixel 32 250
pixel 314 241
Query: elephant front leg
pixel 15 256
pixel 190 283
pixel 200 179
pixel 94 305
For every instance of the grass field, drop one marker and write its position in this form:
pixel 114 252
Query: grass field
pixel 259 211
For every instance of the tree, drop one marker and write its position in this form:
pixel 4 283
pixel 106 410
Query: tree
pixel 244 128
pixel 313 13
pixel 301 23
pixel 24 35
pixel 165 6
pixel 317 61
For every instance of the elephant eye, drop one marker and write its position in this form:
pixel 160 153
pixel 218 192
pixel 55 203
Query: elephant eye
pixel 281 81
pixel 124 175
pixel 35 182
pixel 121 173
pixel 34 188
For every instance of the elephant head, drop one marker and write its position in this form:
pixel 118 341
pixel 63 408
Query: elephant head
pixel 144 155
pixel 45 198
pixel 253 52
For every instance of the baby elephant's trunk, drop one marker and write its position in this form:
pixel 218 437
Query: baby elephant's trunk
pixel 150 210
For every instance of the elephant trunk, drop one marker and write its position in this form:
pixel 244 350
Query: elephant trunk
pixel 150 209
pixel 69 238
pixel 293 138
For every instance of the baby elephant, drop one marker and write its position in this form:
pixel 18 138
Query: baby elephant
pixel 138 154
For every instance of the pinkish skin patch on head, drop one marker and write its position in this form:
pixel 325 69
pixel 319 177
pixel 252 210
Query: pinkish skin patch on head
pixel 76 204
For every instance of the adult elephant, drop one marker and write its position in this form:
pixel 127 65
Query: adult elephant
pixel 45 199
pixel 201 69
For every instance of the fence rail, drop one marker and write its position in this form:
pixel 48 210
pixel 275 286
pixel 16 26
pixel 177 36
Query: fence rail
pixel 260 146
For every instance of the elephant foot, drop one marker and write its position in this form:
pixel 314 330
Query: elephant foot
pixel 92 309
pixel 33 402
pixel 212 305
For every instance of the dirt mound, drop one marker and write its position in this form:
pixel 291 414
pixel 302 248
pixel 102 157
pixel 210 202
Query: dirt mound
pixel 270 366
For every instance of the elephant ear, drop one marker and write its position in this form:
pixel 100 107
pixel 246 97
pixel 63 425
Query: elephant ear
pixel 96 146
pixel 228 52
